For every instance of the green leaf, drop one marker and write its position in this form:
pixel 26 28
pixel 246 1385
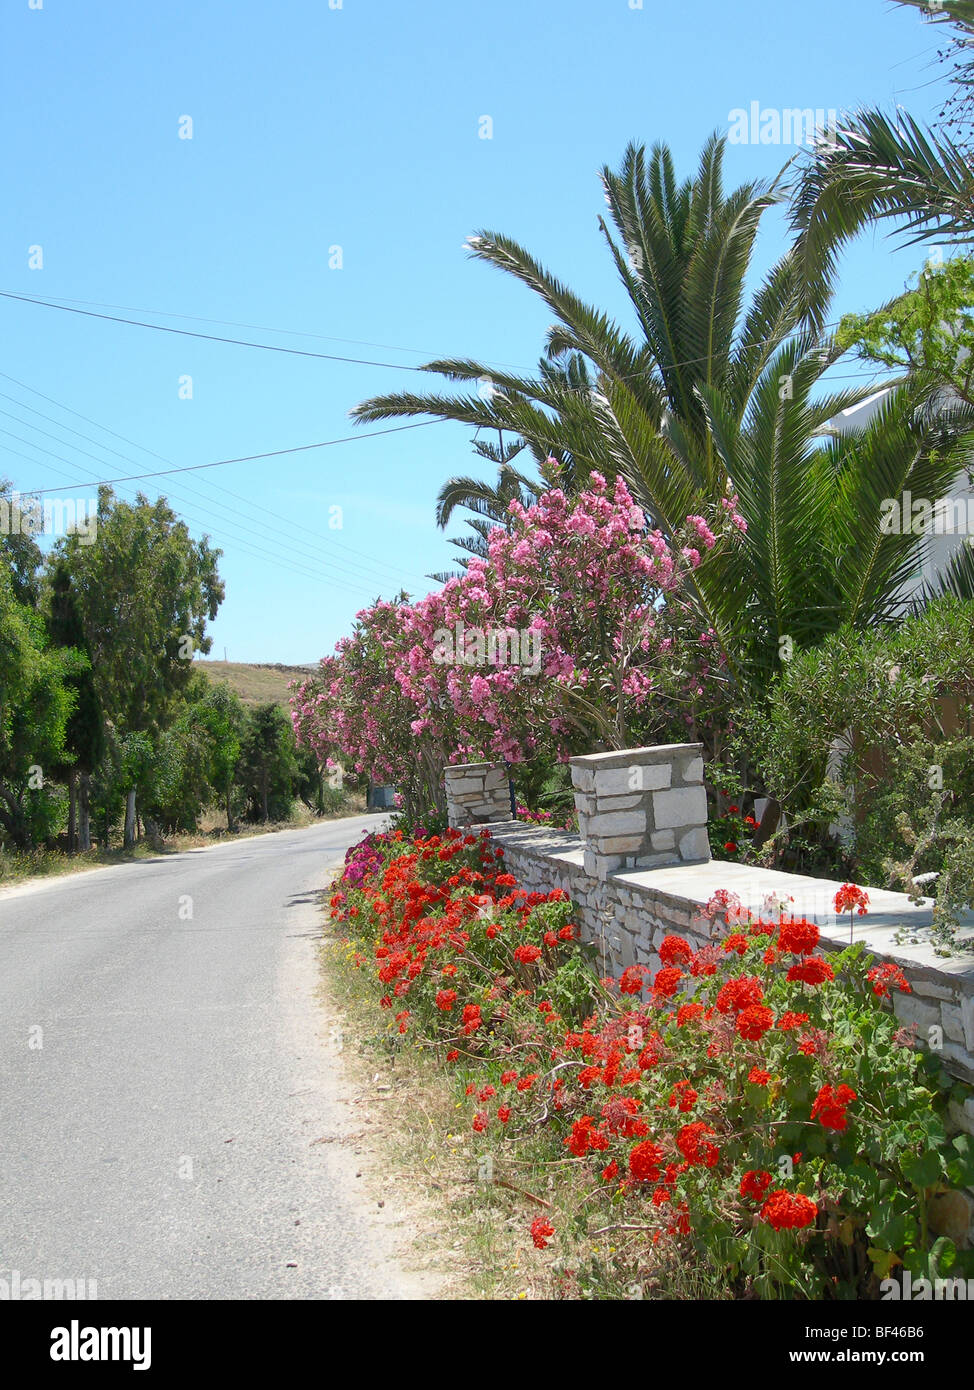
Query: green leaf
pixel 922 1170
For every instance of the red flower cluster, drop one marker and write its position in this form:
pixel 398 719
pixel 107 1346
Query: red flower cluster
pixel 644 1162
pixel 541 1231
pixel 849 897
pixel 798 936
pixel 755 1184
pixel 789 1211
pixel 739 994
pixel 831 1105
pixel 811 970
pixel 883 978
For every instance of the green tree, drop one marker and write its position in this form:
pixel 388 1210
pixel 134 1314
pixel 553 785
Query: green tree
pixel 145 592
pixel 928 331
pixel 85 733
pixel 268 766
pixel 883 167
pixel 221 714
pixel 18 548
pixel 36 703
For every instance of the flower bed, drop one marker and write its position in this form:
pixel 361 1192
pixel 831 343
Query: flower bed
pixel 752 1109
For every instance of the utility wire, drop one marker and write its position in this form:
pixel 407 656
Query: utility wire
pixel 249 458
pixel 318 556
pixel 341 545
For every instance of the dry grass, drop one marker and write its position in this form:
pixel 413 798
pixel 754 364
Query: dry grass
pixel 254 684
pixel 475 1232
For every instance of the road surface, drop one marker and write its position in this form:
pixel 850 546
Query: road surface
pixel 165 1073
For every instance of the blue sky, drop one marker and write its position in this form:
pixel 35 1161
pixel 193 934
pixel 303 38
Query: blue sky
pixel 355 127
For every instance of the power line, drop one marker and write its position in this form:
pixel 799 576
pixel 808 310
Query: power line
pixel 210 483
pixel 260 328
pixel 68 308
pixel 249 458
pixel 208 337
pixel 319 557
pixel 245 546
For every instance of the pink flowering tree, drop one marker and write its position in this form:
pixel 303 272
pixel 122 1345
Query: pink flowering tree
pixel 363 710
pixel 579 628
pixel 577 632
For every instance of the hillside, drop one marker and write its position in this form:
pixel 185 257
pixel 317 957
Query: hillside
pixel 255 684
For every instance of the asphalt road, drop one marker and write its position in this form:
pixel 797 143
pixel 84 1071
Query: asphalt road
pixel 158 1134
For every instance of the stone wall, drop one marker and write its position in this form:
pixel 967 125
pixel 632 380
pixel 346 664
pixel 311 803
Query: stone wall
pixel 641 808
pixel 627 914
pixel 631 888
pixel 477 793
pixel 627 907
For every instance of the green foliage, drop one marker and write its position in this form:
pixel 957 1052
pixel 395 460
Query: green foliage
pixel 717 391
pixel 36 704
pixel 927 330
pixel 268 765
pixel 884 719
pixel 145 592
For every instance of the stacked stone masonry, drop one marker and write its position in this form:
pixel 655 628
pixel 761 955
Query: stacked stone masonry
pixel 642 808
pixel 627 915
pixel 477 793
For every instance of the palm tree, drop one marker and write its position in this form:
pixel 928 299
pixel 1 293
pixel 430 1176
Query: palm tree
pixel 880 167
pixel 489 502
pixel 712 393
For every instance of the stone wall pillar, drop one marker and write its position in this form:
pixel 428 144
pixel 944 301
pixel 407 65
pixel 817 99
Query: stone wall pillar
pixel 641 808
pixel 477 794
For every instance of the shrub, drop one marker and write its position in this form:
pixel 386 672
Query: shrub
pixel 752 1108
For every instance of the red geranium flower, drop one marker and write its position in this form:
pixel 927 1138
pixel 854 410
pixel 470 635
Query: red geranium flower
pixel 667 982
pixel 755 1184
pixel 754 1021
pixel 798 936
pixel 739 994
pixel 811 970
pixel 644 1161
pixel 830 1106
pixel 784 1210
pixel 883 977
pixel 674 949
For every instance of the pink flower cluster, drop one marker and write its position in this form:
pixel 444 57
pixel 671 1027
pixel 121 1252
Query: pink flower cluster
pixel 583 587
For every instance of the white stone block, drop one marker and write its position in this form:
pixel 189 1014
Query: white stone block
pixel 693 770
pixel 682 806
pixel 910 1010
pixel 639 777
pixel 695 845
pixel 953 1022
pixel 607 804
pixel 617 823
pixel 617 844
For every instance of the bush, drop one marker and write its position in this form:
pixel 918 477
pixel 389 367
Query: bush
pixel 752 1110
pixel 866 745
